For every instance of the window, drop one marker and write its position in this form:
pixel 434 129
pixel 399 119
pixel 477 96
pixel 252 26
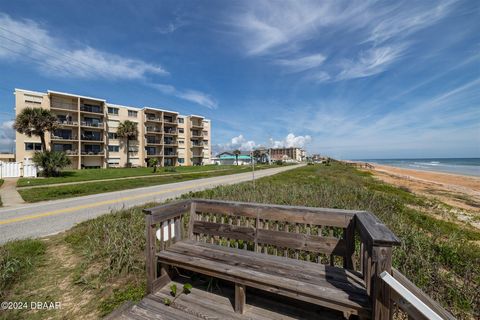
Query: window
pixel 181 160
pixel 113 148
pixel 180 120
pixel 205 133
pixel 180 130
pixel 112 135
pixel 132 113
pixel 113 111
pixel 32 146
pixel 92 148
pixel 113 123
pixel 181 141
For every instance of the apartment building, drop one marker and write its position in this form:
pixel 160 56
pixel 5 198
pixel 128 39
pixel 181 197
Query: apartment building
pixel 295 154
pixel 88 132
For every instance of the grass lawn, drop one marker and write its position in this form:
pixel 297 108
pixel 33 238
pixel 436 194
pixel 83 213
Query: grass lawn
pixel 97 265
pixel 111 173
pixel 76 190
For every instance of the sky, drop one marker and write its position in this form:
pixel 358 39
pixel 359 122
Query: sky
pixel 348 79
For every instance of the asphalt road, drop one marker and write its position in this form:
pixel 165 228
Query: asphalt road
pixel 50 217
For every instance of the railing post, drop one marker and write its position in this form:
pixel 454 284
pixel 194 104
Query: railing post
pixel 150 260
pixel 349 237
pixel 381 300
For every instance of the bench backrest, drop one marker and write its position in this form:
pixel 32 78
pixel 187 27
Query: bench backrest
pixel 313 234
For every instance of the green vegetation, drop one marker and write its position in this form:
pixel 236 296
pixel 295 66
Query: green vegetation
pixel 441 257
pixel 51 162
pixel 128 130
pixel 36 122
pixel 17 260
pixel 111 173
pixel 76 190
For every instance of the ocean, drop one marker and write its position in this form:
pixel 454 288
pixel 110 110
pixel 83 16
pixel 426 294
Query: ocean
pixel 464 166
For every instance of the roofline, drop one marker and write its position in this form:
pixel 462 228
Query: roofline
pixel 75 95
pixel 158 109
pixel 29 91
pixel 122 106
pixel 196 116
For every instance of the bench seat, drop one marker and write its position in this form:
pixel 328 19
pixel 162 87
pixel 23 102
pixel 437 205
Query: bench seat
pixel 328 286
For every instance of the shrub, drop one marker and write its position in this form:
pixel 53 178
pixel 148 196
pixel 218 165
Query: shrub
pixel 170 169
pixel 279 162
pixel 51 162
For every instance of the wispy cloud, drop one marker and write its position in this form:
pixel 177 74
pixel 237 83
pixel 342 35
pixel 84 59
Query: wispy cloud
pixel 26 40
pixel 171 26
pixel 376 34
pixel 197 97
pixel 370 62
pixel 302 63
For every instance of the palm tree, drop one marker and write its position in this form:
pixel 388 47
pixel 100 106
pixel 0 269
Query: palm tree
pixel 35 122
pixel 128 130
pixel 236 153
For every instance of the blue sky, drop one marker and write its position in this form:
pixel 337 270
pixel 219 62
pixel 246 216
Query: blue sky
pixel 350 79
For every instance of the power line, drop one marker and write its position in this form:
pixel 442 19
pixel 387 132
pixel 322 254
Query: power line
pixel 45 47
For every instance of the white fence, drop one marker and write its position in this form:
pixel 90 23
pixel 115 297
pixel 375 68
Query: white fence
pixel 17 169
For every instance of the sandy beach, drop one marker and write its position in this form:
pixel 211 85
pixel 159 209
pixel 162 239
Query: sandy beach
pixel 461 193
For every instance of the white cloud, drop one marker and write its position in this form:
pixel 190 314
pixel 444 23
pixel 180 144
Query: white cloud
pixel 241 143
pixel 197 97
pixel 370 62
pixel 303 63
pixel 55 57
pixel 291 141
pixel 7 136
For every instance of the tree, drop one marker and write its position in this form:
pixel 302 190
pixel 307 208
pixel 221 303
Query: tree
pixel 129 131
pixel 153 162
pixel 35 122
pixel 51 162
pixel 236 153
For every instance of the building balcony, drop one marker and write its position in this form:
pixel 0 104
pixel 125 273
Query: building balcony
pixel 64 138
pixel 89 124
pixel 152 119
pixel 198 126
pixel 170 154
pixel 71 152
pixel 154 130
pixel 197 155
pixel 91 109
pixel 197 145
pixel 152 154
pixel 154 141
pixel 92 138
pixel 196 137
pixel 63 106
pixel 93 153
pixel 68 123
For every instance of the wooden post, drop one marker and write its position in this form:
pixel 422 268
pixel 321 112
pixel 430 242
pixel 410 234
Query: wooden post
pixel 381 300
pixel 349 237
pixel 240 298
pixel 193 213
pixel 151 261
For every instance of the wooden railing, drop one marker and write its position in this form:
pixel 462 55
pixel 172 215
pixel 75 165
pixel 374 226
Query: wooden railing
pixel 318 235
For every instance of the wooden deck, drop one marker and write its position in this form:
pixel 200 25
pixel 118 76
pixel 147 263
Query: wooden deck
pixel 201 304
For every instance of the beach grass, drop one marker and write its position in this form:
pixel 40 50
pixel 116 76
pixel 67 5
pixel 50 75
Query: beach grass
pixel 441 257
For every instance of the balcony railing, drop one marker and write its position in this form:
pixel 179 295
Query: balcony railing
pixel 91 138
pixel 154 141
pixel 54 137
pixel 92 124
pixel 92 153
pixel 156 130
pixel 63 105
pixel 68 123
pixel 71 152
pixel 93 109
pixel 149 118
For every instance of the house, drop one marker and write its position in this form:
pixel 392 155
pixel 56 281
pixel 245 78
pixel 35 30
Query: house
pixel 229 158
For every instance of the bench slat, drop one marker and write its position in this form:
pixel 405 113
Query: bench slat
pixel 333 294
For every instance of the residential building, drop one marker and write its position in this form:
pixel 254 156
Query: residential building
pixel 88 132
pixel 7 157
pixel 229 158
pixel 287 154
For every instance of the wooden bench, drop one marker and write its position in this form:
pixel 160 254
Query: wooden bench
pixel 299 252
